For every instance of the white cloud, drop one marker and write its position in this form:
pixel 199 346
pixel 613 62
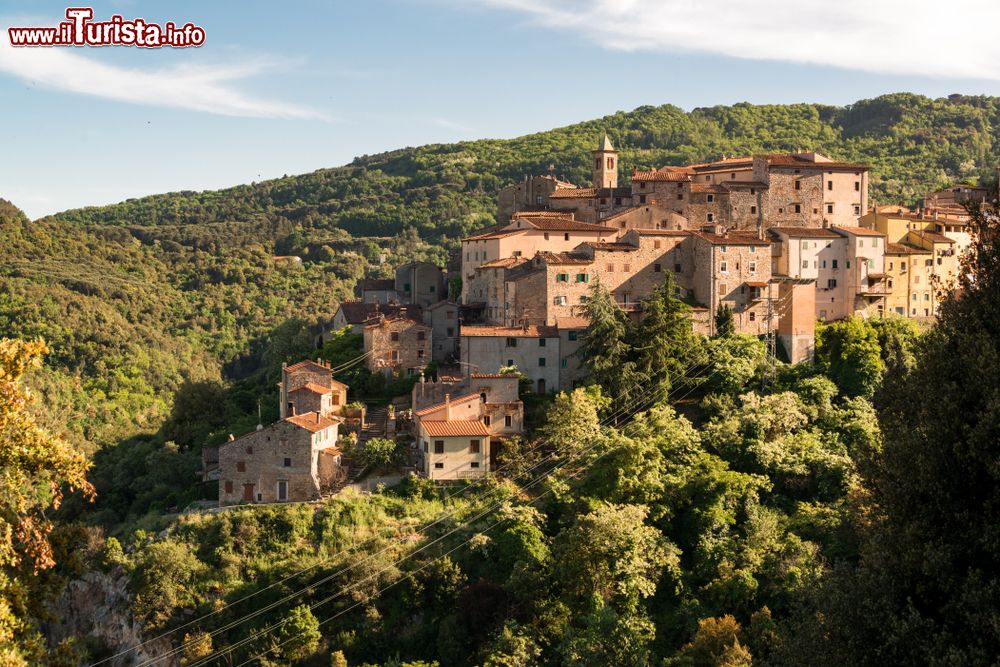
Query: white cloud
pixel 911 37
pixel 208 88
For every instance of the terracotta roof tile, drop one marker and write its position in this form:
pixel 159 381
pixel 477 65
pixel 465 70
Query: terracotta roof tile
pixel 356 312
pixel 509 332
pixel 904 249
pixel 314 388
pixel 661 232
pixel 792 160
pixel 933 236
pixel 614 247
pixel 502 263
pixel 731 238
pixel 453 428
pixel 710 188
pixel 573 193
pixel 307 365
pixel 312 421
pixel 566 225
pixel 857 231
pixel 438 406
pixel 493 376
pixel 495 235
pixel 559 258
pixel 669 176
pixel 807 232
pixel 571 322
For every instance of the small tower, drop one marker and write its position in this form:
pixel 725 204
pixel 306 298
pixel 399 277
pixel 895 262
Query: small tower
pixel 605 165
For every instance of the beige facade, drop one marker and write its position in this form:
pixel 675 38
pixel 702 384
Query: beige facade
pixel 897 223
pixel 397 346
pixel 534 350
pixel 454 449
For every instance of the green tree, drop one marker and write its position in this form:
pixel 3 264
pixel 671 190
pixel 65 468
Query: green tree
pixel 848 351
pixel 299 636
pixel 573 422
pixel 716 644
pixel 35 469
pixel 664 343
pixel 380 452
pixel 725 324
pixel 606 349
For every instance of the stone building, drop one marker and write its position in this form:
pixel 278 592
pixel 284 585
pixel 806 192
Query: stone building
pixel 442 318
pixel 294 459
pixel 528 195
pixel 733 268
pixel 308 386
pixel 534 350
pixel 486 286
pixel 522 238
pixel 397 346
pixel 420 283
pixel 358 315
pixel 378 290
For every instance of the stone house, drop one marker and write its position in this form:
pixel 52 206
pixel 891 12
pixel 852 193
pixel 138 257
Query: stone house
pixel 308 386
pixel 733 268
pixel 358 315
pixel 397 346
pixel 534 350
pixel 530 194
pixel 378 290
pixel 294 459
pixel 420 283
pixel 443 319
pixel 487 287
pixel 500 407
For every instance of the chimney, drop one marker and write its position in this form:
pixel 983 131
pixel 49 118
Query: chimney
pixel 317 417
pixel 447 407
pixel 294 411
pixel 231 437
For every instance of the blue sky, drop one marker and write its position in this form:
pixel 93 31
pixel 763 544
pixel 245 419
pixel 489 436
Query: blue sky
pixel 292 87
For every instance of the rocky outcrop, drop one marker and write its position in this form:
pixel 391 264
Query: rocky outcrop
pixel 97 608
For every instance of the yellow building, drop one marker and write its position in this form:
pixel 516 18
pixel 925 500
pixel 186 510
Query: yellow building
pixel 900 260
pixel 896 222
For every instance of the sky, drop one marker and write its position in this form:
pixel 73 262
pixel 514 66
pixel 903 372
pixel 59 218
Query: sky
pixel 287 88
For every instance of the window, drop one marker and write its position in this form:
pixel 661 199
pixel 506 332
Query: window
pixel 449 332
pixel 545 236
pixel 282 490
pixel 711 217
pixel 753 210
pixel 394 336
pixel 611 268
pixel 722 249
pixel 798 207
pixel 394 356
pixel 829 208
pixel 571 335
pixel 439 446
pixel 805 264
pixel 563 363
pixel 723 266
pixel 420 354
pixel 559 301
pixel 611 163
pixel 723 289
pixel 511 342
pixel 421 335
pixel 711 198
pixel 406 286
pixel 642 199
pixel 439 465
pixel 857 186
pixel 848 264
pixel 583 277
pixel 753 191
pixel 831 283
pixel 656 268
pixel 679 196
pixel 241 466
pixel 829 185
pixel 508 420
pixel 541 342
pixel 916 280
pixel 857 210
pixel 487 420
pixel 824 263
pixel 677 268
pixel 474 464
pixel 656 245
pixel 626 268
pixel 562 277
pixel 798 184
pixel 541 362
pixel 890 283
pixel 229 486
pixel 753 266
pixel 833 263
pixel 249 450
pixel 566 236
pixel 288 462
pixel 753 316
pixel 510 362
pixel 473 446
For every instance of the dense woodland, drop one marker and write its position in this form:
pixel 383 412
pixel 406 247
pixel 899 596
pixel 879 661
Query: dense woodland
pixel 695 506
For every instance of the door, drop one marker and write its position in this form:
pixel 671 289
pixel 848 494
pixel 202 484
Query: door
pixel 248 493
pixel 541 385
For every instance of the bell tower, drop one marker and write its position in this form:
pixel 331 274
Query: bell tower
pixel 605 165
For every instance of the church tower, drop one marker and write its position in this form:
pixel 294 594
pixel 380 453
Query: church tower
pixel 605 165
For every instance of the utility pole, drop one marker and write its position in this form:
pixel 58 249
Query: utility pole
pixel 771 342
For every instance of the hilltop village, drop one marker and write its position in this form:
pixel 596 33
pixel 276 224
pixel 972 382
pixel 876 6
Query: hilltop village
pixel 777 242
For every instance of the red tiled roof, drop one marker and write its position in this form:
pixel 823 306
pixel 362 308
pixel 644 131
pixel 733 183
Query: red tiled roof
pixel 307 364
pixel 502 263
pixel 509 332
pixel 573 193
pixel 756 283
pixel 493 376
pixel 660 232
pixel 709 187
pixel 389 320
pixel 791 160
pixel 857 231
pixel 566 225
pixel 314 388
pixel 903 249
pixel 732 238
pixel 934 237
pixel 570 322
pixel 567 258
pixel 312 421
pixel 616 247
pixel 807 232
pixel 670 176
pixel 453 428
pixel 494 235
pixel 440 406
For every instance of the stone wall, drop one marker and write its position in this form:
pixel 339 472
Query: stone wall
pixel 397 345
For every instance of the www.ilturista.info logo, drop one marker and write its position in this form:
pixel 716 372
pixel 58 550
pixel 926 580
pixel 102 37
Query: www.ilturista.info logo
pixel 80 30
